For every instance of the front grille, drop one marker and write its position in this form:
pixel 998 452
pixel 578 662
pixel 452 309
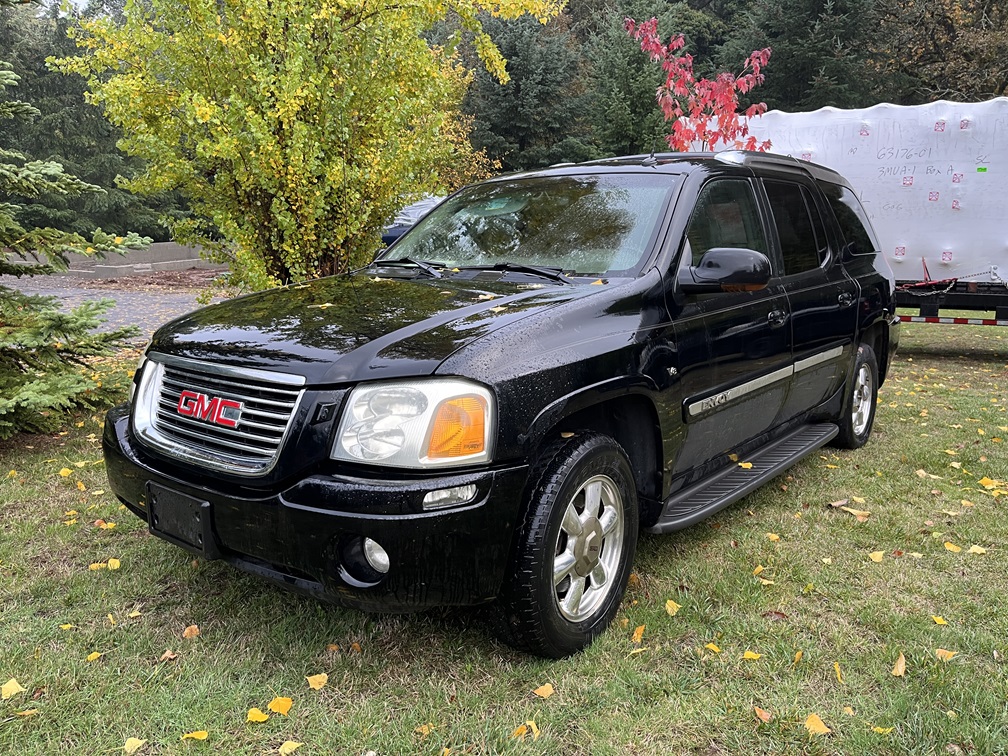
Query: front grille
pixel 220 417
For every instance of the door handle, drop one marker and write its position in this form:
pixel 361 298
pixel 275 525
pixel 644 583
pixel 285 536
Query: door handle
pixel 776 318
pixel 846 299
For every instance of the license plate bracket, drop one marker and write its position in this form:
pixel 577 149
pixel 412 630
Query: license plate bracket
pixel 181 519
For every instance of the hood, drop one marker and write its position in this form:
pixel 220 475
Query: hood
pixel 353 328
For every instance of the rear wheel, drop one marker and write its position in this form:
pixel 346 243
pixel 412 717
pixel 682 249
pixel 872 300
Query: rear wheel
pixel 575 549
pixel 858 415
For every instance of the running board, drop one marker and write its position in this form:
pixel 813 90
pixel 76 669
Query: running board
pixel 730 483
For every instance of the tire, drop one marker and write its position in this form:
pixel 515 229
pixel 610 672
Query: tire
pixel 858 414
pixel 575 549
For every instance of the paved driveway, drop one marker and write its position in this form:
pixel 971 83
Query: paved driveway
pixel 145 308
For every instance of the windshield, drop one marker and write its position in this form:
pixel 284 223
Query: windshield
pixel 590 225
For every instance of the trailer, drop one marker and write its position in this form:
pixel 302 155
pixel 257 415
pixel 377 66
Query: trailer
pixel 934 180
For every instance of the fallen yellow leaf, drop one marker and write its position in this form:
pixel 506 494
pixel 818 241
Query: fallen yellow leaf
pixel 10 688
pixel 876 556
pixel 765 581
pixel 713 647
pixel 544 691
pixel 836 668
pixel 757 569
pixel 113 564
pixel 26 713
pixel 745 465
pixel 882 730
pixel 256 715
pixel 191 631
pixel 939 620
pixel 952 547
pixel 424 730
pixel 281 705
pixel 132 745
pixel 638 633
pixel 317 682
pixel 816 726
pixel 94 656
pixel 773 537
pixel 196 735
pixel 67 627
pixel 861 514
pixel 672 607
pixel 66 472
pixel 751 655
pixel 535 730
pixel 974 549
pixel 797 657
pixel 899 668
pixel 520 732
pixel 168 655
pixel 848 711
pixel 762 714
pixel 288 747
pixel 944 655
pixel 97 566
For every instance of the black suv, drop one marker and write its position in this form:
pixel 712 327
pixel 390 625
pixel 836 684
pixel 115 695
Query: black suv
pixel 544 365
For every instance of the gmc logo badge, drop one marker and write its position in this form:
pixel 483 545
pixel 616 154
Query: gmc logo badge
pixel 224 412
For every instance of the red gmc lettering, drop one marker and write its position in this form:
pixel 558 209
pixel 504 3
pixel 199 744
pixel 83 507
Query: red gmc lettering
pixel 210 409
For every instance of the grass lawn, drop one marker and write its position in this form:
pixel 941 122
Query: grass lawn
pixel 837 600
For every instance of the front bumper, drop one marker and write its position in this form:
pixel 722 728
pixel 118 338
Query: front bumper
pixel 307 535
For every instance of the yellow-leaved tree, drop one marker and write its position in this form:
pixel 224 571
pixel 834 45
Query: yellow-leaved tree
pixel 295 128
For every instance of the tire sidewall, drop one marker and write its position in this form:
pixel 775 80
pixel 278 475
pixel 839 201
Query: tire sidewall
pixel 597 456
pixel 865 358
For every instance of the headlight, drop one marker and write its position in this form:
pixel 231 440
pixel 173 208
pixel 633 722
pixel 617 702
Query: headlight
pixel 432 423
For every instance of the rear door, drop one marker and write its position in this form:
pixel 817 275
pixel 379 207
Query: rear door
pixel 733 389
pixel 821 296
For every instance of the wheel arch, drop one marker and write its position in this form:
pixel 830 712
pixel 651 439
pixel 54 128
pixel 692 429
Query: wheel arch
pixel 877 337
pixel 630 418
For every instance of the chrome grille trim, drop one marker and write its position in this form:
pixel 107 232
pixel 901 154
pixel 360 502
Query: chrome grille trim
pixel 269 403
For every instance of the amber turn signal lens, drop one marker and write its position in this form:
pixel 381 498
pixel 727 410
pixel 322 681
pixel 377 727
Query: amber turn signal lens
pixel 459 428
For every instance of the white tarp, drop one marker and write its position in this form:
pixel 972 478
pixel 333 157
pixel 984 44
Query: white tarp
pixel 933 178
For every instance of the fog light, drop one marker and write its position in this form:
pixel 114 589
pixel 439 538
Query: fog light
pixel 376 556
pixel 447 497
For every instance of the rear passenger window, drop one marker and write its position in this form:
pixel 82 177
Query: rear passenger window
pixel 799 226
pixel 725 216
pixel 852 219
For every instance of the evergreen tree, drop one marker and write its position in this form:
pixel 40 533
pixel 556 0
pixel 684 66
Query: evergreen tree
pixel 820 51
pixel 72 132
pixel 538 117
pixel 43 349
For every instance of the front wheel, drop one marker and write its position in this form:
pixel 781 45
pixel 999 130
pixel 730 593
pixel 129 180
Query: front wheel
pixel 575 549
pixel 858 415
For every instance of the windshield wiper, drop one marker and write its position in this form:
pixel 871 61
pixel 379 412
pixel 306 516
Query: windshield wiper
pixel 428 267
pixel 553 274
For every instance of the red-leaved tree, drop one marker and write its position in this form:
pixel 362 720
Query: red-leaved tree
pixel 702 110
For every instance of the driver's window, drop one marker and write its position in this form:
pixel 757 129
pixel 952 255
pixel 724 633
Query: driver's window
pixel 725 216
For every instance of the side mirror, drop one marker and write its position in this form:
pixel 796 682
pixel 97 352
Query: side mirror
pixel 726 269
